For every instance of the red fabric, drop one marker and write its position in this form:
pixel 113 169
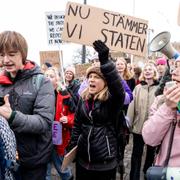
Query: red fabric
pixel 5 79
pixel 28 65
pixel 61 110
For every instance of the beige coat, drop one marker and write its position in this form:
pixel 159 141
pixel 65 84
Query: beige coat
pixel 138 110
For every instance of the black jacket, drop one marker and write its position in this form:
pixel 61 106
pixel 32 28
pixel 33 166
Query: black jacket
pixel 94 128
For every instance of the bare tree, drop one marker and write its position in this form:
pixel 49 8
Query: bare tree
pixel 77 57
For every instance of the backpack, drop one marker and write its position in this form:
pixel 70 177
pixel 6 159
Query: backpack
pixel 36 80
pixel 8 163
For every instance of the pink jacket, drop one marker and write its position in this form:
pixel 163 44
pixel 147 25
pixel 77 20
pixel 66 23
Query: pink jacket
pixel 157 129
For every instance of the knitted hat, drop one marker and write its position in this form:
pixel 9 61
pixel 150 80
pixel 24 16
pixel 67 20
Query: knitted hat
pixel 161 61
pixel 94 69
pixel 71 69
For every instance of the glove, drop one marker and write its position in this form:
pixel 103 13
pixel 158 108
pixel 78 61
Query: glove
pixel 103 51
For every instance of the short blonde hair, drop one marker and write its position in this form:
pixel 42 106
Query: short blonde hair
pixel 155 77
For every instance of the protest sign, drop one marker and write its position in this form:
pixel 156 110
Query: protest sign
pixel 57 133
pixel 55 24
pixel 84 24
pixel 52 57
pixel 81 69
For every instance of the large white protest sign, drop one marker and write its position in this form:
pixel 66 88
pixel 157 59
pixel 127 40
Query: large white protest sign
pixel 84 24
pixel 55 25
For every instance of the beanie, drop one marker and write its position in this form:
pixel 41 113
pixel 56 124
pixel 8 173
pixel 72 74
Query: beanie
pixel 161 61
pixel 71 69
pixel 94 69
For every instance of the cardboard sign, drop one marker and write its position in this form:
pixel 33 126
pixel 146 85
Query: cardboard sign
pixel 55 25
pixel 84 24
pixel 81 69
pixel 69 158
pixel 50 56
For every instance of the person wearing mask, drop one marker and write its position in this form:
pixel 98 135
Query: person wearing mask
pixel 28 108
pixel 94 131
pixel 164 113
pixel 138 111
pixel 65 116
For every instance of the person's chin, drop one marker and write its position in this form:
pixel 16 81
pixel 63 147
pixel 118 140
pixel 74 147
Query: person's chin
pixel 92 92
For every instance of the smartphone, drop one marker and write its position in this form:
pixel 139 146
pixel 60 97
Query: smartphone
pixel 1 101
pixel 170 84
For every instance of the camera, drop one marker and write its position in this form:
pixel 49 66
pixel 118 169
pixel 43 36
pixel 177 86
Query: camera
pixel 2 101
pixel 156 173
pixel 163 173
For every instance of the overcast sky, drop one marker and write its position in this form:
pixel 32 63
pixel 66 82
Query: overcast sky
pixel 28 18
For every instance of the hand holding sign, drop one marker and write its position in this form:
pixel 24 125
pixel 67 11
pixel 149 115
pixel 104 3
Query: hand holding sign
pixel 103 51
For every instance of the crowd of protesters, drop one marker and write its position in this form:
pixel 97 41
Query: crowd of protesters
pixel 96 115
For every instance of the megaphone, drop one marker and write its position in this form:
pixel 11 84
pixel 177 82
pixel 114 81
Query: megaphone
pixel 161 42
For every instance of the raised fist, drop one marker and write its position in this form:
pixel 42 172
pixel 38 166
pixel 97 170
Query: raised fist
pixel 103 51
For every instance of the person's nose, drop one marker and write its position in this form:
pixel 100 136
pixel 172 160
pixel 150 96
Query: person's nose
pixel 6 58
pixel 175 71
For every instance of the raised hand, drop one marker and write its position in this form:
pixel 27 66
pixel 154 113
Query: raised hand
pixel 103 51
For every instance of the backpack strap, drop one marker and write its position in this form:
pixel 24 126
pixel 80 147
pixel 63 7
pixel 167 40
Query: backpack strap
pixel 37 79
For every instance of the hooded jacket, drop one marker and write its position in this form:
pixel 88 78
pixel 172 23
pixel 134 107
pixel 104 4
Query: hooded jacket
pixel 34 113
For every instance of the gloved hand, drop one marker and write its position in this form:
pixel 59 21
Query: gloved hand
pixel 103 51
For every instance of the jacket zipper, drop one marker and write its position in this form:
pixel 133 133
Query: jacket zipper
pixel 107 141
pixel 89 156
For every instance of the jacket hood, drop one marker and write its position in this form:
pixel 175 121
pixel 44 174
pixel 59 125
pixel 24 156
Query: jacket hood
pixel 30 68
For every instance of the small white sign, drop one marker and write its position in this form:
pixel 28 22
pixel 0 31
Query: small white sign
pixel 173 173
pixel 55 25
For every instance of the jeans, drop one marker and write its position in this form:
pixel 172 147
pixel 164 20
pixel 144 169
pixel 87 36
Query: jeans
pixel 57 161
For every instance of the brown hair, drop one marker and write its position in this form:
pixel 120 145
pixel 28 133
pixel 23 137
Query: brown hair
pixel 127 74
pixel 13 41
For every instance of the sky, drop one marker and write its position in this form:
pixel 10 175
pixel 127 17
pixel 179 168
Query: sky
pixel 28 18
